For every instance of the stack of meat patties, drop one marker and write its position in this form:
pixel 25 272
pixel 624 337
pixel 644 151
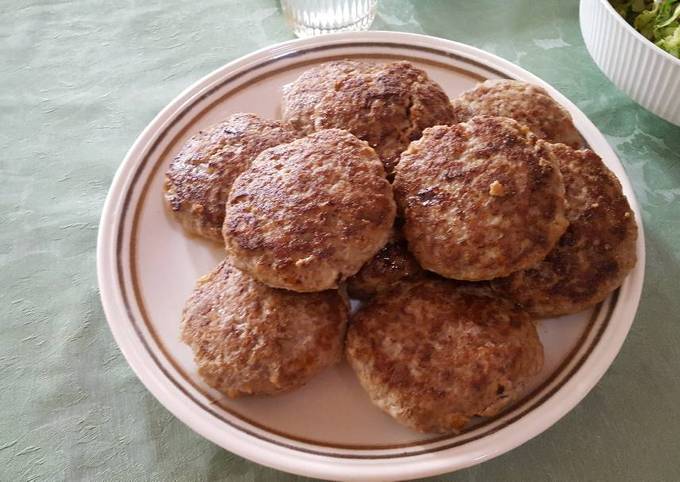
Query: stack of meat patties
pixel 457 223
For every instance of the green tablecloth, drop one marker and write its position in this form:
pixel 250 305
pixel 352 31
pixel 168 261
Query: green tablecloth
pixel 80 80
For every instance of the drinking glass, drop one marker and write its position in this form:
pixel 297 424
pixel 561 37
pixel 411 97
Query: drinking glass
pixel 315 17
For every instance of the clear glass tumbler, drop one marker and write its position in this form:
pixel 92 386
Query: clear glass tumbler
pixel 315 17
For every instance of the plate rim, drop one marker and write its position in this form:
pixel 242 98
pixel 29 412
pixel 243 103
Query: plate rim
pixel 316 465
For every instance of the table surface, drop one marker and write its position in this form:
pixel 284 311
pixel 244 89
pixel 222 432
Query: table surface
pixel 80 80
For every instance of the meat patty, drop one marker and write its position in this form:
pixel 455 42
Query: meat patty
pixel 480 199
pixel 528 104
pixel 307 215
pixel 595 254
pixel 387 105
pixel 199 179
pixel 433 354
pixel 249 339
pixel 390 266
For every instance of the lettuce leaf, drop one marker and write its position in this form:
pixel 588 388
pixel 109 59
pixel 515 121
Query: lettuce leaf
pixel 672 18
pixel 658 21
pixel 646 22
pixel 671 43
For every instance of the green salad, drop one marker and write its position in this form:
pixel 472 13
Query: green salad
pixel 659 21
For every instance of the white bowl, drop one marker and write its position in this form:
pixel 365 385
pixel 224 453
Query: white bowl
pixel 648 74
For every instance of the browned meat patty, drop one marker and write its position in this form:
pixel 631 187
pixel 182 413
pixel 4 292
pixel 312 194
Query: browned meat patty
pixel 480 199
pixel 199 179
pixel 307 215
pixel 390 266
pixel 387 105
pixel 528 104
pixel 433 354
pixel 249 339
pixel 595 254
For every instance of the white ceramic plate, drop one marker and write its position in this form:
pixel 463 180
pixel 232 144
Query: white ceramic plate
pixel 147 268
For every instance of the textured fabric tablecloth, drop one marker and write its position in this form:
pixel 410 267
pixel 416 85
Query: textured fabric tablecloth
pixel 80 79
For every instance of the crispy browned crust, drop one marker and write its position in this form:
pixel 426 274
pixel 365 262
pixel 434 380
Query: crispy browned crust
pixel 595 254
pixel 250 339
pixel 433 354
pixel 391 265
pixel 480 199
pixel 307 215
pixel 199 178
pixel 528 104
pixel 387 105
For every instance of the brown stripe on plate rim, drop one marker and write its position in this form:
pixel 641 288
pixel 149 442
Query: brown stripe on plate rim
pixel 137 294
